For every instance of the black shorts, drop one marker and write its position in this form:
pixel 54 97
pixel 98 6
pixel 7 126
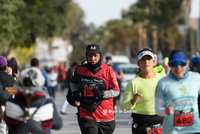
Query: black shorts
pixel 89 126
pixel 140 122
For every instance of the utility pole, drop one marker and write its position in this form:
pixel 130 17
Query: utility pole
pixel 198 29
pixel 185 4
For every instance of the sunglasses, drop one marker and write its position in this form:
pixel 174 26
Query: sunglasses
pixel 176 63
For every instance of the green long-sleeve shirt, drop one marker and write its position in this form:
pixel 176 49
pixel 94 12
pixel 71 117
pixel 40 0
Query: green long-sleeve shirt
pixel 146 87
pixel 159 69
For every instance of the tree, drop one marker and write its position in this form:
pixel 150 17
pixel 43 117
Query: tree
pixel 155 16
pixel 9 24
pixel 23 20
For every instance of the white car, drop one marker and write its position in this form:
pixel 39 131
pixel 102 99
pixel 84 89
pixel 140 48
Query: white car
pixel 117 59
pixel 129 71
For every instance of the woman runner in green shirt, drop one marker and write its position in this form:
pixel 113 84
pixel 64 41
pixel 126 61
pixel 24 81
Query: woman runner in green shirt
pixel 139 96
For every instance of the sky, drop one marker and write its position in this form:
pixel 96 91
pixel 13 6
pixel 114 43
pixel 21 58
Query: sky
pixel 194 12
pixel 101 11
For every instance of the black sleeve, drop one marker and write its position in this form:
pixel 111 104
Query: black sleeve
pixel 74 77
pixel 57 120
pixel 70 98
pixel 4 95
pixel 192 68
pixel 68 75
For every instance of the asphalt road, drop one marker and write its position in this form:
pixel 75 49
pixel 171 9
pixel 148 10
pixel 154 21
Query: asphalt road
pixel 70 124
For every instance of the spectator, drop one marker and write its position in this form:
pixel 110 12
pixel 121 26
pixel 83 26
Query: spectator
pixel 62 75
pixel 14 61
pixel 139 95
pixel 115 67
pixel 6 79
pixel 48 70
pixel 15 67
pixel 53 77
pixel 119 77
pixel 93 87
pixel 4 96
pixel 108 63
pixel 9 67
pixel 178 92
pixel 30 96
pixel 35 63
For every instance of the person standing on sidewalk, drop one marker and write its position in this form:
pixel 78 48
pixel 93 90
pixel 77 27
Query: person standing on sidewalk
pixel 62 75
pixel 120 74
pixel 53 77
pixel 35 63
pixel 93 87
pixel 179 92
pixel 139 95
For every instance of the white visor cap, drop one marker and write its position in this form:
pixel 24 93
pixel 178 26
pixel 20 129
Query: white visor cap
pixel 143 53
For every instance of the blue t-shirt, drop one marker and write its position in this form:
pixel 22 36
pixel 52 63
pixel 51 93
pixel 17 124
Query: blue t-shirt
pixel 182 94
pixel 47 81
pixel 116 69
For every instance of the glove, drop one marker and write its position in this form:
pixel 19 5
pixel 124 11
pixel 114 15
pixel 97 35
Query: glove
pixel 76 96
pixel 98 94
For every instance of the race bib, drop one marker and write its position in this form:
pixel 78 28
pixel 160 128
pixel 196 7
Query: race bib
pixel 183 118
pixel 154 129
pixel 88 92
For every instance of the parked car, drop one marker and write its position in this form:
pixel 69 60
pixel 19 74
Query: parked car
pixel 129 71
pixel 118 59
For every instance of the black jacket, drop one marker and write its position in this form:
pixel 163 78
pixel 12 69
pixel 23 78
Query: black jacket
pixel 6 79
pixel 195 67
pixel 4 95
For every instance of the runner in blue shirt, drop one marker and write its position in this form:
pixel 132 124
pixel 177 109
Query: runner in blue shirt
pixel 178 92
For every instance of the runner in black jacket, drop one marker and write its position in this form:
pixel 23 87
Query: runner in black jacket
pixel 93 87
